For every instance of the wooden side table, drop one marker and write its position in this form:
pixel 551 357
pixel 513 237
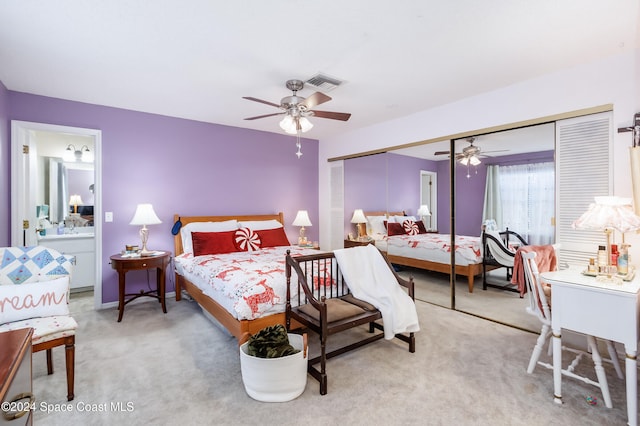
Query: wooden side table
pixel 125 264
pixel 356 243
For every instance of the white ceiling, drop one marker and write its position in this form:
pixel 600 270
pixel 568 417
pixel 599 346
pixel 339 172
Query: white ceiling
pixel 196 59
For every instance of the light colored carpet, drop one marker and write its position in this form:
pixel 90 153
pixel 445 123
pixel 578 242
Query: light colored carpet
pixel 179 368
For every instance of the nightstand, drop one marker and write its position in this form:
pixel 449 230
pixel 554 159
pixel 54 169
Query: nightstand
pixel 125 264
pixel 356 243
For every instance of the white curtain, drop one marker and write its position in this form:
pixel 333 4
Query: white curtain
pixel 492 199
pixel 527 193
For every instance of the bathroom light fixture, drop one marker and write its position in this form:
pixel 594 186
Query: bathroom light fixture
pixel 145 215
pixel 71 153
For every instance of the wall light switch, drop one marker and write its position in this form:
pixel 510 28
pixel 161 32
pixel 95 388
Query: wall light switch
pixel 108 216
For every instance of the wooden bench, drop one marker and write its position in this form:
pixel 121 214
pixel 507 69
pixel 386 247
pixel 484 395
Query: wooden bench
pixel 323 304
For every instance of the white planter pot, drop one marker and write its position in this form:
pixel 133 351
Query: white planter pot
pixel 275 379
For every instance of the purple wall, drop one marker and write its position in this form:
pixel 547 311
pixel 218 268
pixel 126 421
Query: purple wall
pixel 180 166
pixel 5 170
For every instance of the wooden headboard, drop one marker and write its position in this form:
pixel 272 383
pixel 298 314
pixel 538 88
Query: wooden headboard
pixel 177 239
pixel 385 213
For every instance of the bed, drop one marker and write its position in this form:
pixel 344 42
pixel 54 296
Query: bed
pixel 244 291
pixel 422 249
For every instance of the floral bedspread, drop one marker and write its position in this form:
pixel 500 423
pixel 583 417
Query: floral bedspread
pixel 470 248
pixel 254 281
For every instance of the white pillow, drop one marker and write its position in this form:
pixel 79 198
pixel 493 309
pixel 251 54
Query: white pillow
pixel 34 300
pixel 401 219
pixel 185 231
pixel 375 225
pixel 260 225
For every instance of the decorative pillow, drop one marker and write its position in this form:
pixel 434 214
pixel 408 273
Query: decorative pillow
pixel 34 300
pixel 410 227
pixel 213 242
pixel 259 225
pixel 421 227
pixel 394 228
pixel 273 237
pixel 246 240
pixel 185 232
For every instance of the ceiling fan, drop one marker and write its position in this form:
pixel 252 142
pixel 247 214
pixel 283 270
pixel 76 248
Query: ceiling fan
pixel 296 109
pixel 470 154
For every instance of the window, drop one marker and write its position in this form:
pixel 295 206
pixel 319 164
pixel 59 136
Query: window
pixel 527 193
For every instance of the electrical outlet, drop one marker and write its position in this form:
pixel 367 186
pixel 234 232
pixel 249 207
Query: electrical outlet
pixel 108 216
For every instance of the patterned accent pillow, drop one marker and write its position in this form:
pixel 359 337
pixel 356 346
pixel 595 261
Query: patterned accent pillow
pixel 410 227
pixel 246 239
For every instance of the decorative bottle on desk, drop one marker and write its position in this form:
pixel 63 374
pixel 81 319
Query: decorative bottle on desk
pixel 623 260
pixel 602 260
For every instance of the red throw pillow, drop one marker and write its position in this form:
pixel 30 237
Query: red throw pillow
pixel 246 240
pixel 273 237
pixel 421 228
pixel 213 242
pixel 395 229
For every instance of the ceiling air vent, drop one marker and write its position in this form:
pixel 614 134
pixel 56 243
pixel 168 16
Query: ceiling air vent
pixel 323 82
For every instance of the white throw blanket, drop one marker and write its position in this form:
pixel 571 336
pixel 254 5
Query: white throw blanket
pixel 370 279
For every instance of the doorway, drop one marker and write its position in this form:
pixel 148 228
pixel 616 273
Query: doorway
pixel 30 214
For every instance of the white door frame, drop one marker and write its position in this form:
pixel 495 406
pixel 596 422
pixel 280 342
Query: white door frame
pixel 22 184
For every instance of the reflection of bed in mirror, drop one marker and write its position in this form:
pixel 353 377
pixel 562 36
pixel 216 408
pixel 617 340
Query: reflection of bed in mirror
pixel 408 244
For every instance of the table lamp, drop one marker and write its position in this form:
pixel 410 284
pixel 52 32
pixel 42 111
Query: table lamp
pixel 607 214
pixel 360 220
pixel 145 215
pixel 424 211
pixel 74 201
pixel 302 220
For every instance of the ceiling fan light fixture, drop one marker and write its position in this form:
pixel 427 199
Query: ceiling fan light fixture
pixel 474 160
pixel 288 124
pixel 305 124
pixel 464 161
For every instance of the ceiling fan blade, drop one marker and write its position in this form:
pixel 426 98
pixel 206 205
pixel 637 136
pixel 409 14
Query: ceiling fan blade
pixel 499 150
pixel 344 116
pixel 249 98
pixel 263 116
pixel 316 99
pixel 441 153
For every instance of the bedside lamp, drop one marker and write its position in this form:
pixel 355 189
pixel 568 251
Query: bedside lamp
pixel 302 220
pixel 145 216
pixel 74 201
pixel 424 211
pixel 360 220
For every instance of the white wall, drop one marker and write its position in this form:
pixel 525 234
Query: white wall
pixel 614 80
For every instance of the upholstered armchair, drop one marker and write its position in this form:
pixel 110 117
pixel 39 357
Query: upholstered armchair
pixel 34 293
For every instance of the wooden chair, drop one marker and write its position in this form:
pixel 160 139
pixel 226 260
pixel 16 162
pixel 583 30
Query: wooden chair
pixel 497 252
pixel 539 305
pixel 320 300
pixel 43 276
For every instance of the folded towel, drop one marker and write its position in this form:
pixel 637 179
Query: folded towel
pixel 370 279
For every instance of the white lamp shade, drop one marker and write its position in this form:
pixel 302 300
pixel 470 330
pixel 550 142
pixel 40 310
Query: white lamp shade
pixel 424 210
pixel 358 217
pixel 609 213
pixel 75 200
pixel 305 124
pixel 474 161
pixel 302 219
pixel 145 215
pixel 288 124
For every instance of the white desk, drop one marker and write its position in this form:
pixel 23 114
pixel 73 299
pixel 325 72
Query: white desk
pixel 605 310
